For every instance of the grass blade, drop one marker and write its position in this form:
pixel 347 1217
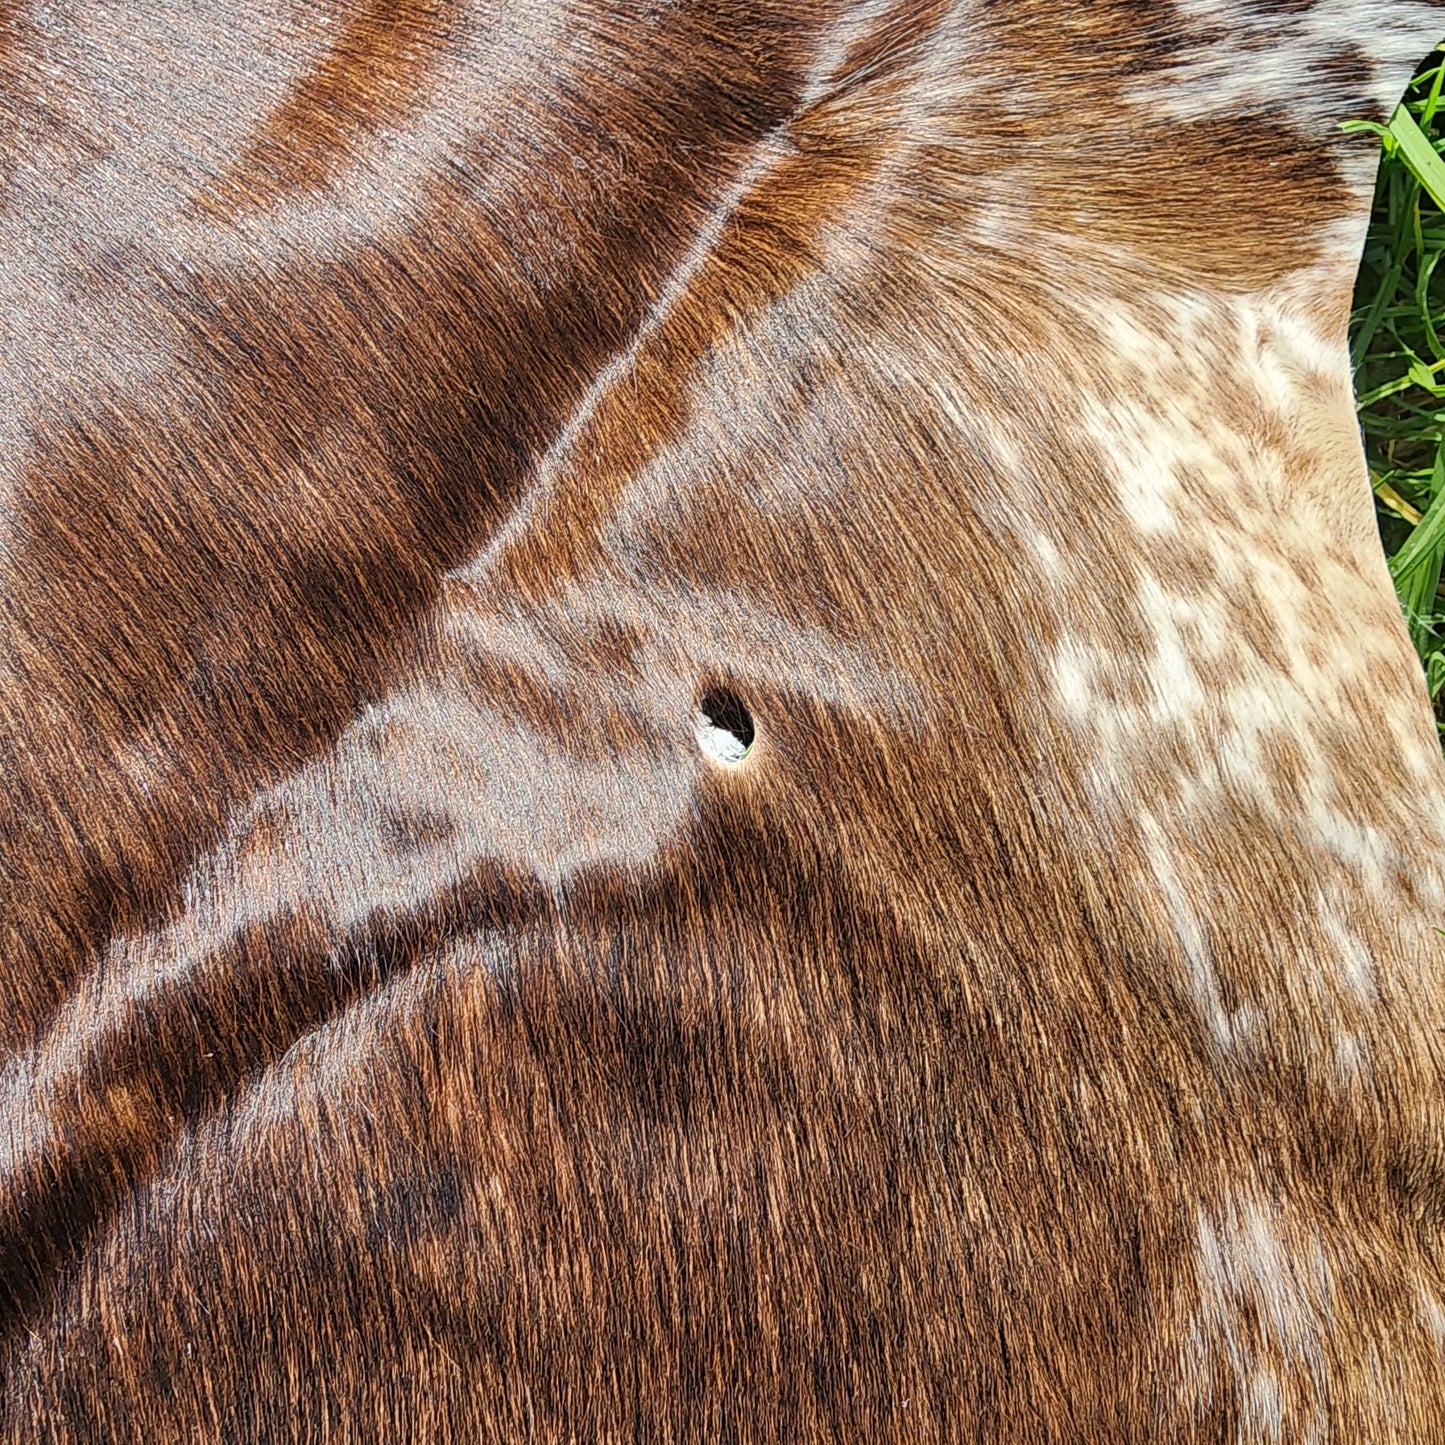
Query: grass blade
pixel 1417 153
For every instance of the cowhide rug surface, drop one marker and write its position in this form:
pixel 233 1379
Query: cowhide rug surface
pixel 702 737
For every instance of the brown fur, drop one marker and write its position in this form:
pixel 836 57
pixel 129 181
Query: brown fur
pixel 408 415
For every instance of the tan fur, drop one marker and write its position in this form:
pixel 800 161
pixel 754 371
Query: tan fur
pixel 412 417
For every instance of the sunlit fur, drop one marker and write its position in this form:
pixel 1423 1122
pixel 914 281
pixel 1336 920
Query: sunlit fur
pixel 417 1024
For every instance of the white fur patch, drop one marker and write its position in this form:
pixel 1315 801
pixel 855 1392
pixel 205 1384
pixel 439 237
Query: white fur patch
pixel 1247 61
pixel 1263 1305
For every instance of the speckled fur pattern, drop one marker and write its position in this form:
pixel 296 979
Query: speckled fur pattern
pixel 410 414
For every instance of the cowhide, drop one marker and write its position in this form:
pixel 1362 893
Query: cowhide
pixel 702 734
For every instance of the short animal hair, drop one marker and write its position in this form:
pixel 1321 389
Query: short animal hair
pixel 703 735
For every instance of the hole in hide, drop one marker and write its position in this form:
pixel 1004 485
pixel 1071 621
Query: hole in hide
pixel 724 727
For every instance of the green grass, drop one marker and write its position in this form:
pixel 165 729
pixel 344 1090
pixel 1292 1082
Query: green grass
pixel 1398 349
